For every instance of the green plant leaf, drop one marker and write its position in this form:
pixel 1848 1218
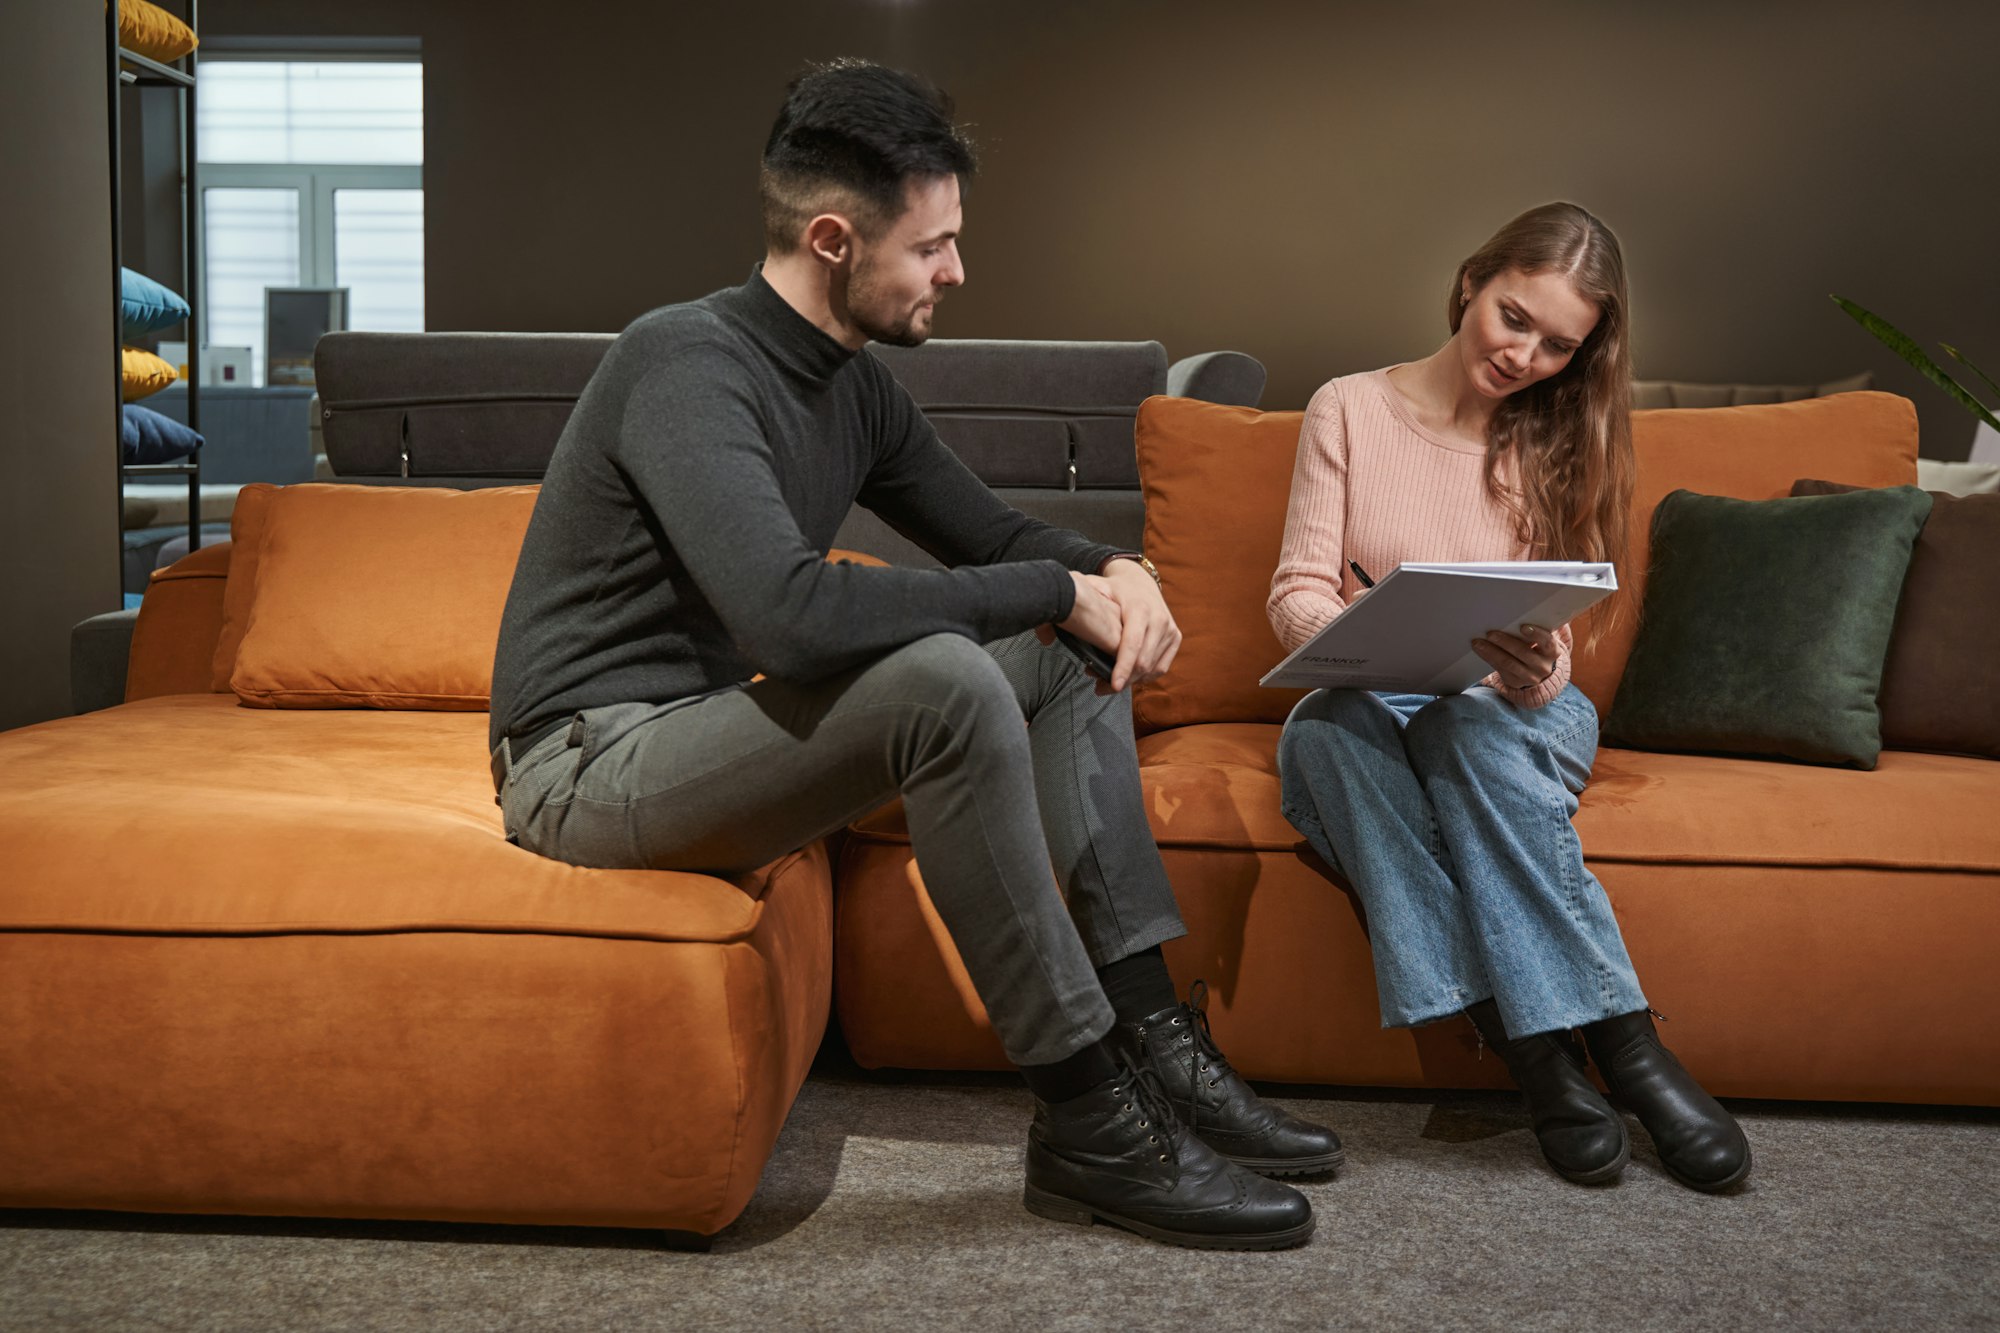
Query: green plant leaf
pixel 1955 355
pixel 1898 342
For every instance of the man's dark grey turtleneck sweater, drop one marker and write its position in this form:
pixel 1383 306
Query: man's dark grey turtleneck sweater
pixel 678 544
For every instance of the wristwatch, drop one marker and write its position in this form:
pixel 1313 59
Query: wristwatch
pixel 1140 560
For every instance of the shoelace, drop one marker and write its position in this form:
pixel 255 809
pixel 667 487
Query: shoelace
pixel 1155 1107
pixel 1206 1058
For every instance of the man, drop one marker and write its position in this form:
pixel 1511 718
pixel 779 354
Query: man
pixel 677 552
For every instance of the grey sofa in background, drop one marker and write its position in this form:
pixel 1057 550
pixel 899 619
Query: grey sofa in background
pixel 1047 424
pixel 1677 393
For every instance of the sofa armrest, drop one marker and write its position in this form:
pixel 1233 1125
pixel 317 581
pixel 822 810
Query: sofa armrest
pixel 1232 378
pixel 100 649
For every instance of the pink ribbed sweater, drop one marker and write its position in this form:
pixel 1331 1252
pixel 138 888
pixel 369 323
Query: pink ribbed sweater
pixel 1373 486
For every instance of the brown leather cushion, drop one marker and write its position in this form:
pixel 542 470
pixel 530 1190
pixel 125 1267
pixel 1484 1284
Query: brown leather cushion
pixel 1941 681
pixel 379 596
pixel 1217 480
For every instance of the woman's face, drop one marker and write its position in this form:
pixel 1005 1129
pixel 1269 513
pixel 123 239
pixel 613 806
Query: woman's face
pixel 1521 328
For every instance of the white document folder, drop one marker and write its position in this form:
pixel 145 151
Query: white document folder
pixel 1413 632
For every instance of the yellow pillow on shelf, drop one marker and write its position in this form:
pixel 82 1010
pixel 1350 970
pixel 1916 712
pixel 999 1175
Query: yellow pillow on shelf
pixel 148 30
pixel 145 374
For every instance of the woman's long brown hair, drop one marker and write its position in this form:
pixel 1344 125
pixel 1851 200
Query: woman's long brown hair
pixel 1569 437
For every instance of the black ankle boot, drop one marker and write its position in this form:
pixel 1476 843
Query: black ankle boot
pixel 1582 1137
pixel 1117 1154
pixel 1700 1144
pixel 1213 1100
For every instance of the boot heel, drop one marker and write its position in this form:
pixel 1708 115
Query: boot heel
pixel 1044 1204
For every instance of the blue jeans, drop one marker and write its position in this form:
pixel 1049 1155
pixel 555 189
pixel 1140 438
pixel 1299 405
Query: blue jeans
pixel 1450 815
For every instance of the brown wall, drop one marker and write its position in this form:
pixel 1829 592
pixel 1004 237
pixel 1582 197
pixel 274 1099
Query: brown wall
pixel 1293 180
pixel 58 457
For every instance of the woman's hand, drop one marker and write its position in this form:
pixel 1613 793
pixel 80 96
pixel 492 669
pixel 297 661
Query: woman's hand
pixel 1523 660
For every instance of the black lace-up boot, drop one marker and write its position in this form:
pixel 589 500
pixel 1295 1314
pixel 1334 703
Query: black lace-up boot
pixel 1117 1154
pixel 1700 1144
pixel 1583 1138
pixel 1212 1099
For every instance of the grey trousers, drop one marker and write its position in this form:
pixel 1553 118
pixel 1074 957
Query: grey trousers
pixel 728 782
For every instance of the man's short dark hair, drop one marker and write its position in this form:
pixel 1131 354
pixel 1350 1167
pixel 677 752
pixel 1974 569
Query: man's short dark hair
pixel 850 138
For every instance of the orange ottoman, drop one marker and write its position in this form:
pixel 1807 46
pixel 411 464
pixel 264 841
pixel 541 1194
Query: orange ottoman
pixel 281 960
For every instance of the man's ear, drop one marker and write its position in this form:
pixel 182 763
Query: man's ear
pixel 830 239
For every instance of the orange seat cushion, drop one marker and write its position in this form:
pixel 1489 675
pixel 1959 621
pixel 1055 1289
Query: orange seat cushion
pixel 309 820
pixel 285 963
pixel 1216 786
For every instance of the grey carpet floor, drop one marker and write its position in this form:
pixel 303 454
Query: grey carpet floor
pixel 896 1204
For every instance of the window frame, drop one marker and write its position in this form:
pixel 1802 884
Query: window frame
pixel 314 182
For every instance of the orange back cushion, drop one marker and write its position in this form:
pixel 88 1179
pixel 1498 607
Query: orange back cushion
pixel 1217 480
pixel 371 596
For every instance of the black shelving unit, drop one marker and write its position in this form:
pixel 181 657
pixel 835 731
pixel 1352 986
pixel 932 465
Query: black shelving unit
pixel 128 69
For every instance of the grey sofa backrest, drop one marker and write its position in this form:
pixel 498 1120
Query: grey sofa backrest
pixel 1047 424
pixel 449 409
pixel 1676 393
pixel 1046 414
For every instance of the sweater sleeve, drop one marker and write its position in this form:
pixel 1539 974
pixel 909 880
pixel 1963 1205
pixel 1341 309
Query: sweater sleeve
pixel 924 491
pixel 694 449
pixel 1542 694
pixel 1305 589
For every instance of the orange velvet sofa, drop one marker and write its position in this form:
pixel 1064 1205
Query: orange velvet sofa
pixel 264 948
pixel 1809 932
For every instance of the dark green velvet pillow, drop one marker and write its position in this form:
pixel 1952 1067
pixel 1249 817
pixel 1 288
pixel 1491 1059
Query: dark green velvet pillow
pixel 1766 623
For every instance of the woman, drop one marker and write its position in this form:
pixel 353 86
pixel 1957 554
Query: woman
pixel 1451 814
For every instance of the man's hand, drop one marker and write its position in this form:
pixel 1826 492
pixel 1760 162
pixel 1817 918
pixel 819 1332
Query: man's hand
pixel 1096 618
pixel 1524 660
pixel 1150 638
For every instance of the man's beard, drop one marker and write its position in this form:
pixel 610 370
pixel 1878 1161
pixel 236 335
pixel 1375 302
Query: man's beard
pixel 901 333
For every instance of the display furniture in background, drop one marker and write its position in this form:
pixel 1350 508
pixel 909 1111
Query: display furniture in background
pixel 140 37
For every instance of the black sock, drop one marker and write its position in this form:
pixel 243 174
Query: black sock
pixel 1139 985
pixel 1071 1076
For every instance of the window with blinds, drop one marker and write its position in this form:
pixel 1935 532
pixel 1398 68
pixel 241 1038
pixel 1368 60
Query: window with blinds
pixel 311 176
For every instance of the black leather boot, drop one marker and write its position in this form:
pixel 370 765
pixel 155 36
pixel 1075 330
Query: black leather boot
pixel 1582 1137
pixel 1700 1144
pixel 1213 1100
pixel 1117 1154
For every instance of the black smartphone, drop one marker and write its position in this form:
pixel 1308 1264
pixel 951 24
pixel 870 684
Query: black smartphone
pixel 1095 660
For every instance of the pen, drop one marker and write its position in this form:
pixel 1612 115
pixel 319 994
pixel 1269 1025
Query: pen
pixel 1361 574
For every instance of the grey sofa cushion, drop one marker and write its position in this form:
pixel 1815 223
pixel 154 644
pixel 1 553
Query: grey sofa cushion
pixel 1060 413
pixel 967 374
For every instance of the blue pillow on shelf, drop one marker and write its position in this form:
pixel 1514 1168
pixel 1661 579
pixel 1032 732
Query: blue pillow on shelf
pixel 145 436
pixel 145 306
